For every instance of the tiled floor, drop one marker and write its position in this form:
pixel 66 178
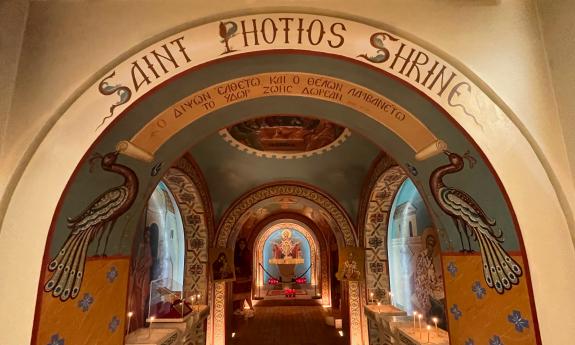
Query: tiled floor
pixel 288 323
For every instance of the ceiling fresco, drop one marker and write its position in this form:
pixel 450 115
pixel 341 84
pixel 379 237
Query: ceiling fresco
pixel 230 172
pixel 285 136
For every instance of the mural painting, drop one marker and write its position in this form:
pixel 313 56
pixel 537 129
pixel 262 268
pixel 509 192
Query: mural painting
pixel 242 286
pixel 158 255
pixel 287 256
pixel 351 264
pixel 428 294
pixel 98 218
pixel 222 264
pixel 285 134
pixel 500 270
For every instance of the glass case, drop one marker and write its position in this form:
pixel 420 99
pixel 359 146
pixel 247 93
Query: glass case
pixel 167 300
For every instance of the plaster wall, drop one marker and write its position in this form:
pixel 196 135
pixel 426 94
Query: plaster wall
pixel 558 31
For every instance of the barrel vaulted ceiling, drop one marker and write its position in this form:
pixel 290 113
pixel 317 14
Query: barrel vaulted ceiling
pixel 230 172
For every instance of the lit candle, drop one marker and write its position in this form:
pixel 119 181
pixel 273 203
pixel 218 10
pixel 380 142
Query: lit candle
pixel 130 314
pixel 371 297
pixel 435 322
pixel 428 328
pixel 378 306
pixel 419 316
pixel 151 322
pixel 198 300
pixel 414 316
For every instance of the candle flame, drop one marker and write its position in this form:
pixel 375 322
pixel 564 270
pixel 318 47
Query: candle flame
pixel 130 314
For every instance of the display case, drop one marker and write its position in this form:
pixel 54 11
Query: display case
pixel 167 300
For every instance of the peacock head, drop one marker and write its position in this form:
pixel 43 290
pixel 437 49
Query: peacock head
pixel 454 158
pixel 109 158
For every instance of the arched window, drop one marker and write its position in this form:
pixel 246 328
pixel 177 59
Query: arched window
pixel 414 259
pixel 167 243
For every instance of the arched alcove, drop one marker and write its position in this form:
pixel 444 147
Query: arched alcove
pixel 342 229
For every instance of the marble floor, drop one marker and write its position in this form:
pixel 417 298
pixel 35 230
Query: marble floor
pixel 290 322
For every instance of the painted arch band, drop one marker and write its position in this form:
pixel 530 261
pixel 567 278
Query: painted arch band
pixel 165 125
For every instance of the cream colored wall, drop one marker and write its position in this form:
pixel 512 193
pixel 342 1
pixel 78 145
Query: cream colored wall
pixel 67 43
pixel 499 41
pixel 558 31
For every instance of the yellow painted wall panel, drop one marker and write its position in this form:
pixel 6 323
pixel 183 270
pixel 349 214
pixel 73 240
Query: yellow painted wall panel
pixel 96 316
pixel 477 314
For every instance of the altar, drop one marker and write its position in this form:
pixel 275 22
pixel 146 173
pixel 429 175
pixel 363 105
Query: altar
pixel 286 267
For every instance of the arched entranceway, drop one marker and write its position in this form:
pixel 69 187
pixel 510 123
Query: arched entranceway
pixel 447 88
pixel 296 194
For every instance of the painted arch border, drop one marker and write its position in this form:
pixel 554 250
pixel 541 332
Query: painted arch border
pixel 27 178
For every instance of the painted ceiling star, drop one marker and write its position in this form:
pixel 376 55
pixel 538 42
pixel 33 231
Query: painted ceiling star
pixel 452 268
pixel 495 340
pixel 519 322
pixel 478 290
pixel 56 340
pixel 456 312
pixel 114 323
pixel 86 302
pixel 112 274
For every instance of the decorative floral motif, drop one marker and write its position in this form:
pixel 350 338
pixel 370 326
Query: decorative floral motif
pixel 469 341
pixel 375 242
pixel 187 197
pixel 456 312
pixel 519 322
pixel 193 219
pixel 452 268
pixel 56 340
pixel 176 179
pixel 195 269
pixel 495 340
pixel 113 325
pixel 377 217
pixel 85 302
pixel 112 274
pixel 196 243
pixel 478 290
pixel 376 267
pixel 379 196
